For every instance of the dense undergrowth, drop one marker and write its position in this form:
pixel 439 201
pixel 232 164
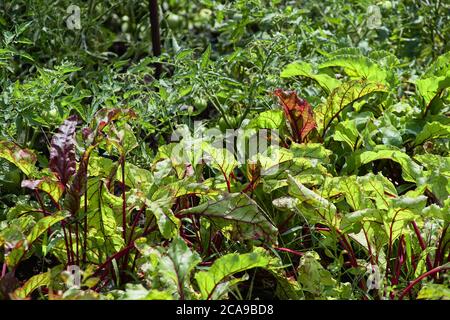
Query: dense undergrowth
pixel 289 150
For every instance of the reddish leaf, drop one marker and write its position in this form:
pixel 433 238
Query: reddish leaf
pixel 23 159
pixel 298 112
pixel 62 152
pixel 106 116
pixel 92 136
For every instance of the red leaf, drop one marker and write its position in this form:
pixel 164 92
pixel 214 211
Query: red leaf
pixel 298 112
pixel 105 116
pixel 62 151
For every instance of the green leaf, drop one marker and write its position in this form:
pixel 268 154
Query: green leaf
pixel 430 87
pixel 352 192
pixel 432 130
pixel 304 161
pixel 347 132
pixel 314 207
pixel 432 291
pixel 437 175
pixel 439 67
pixel 341 97
pixel 36 281
pixel 139 292
pixel 221 159
pixel 214 283
pixel 205 58
pixel 177 265
pixel 240 212
pixel 357 67
pixel 271 119
pixel 136 177
pixel 43 224
pixel 168 224
pixel 315 152
pixel 104 216
pixel 23 159
pixel 49 185
pixel 317 281
pixel 434 211
pixel 403 210
pixel 411 171
pixel 304 69
pixel 361 216
pixel 14 257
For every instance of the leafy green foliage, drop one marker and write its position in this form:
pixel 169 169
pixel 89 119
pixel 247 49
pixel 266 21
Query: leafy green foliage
pixel 213 283
pixel 285 151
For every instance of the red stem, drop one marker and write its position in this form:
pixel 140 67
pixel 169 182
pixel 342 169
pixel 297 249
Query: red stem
pixel 228 182
pixel 124 203
pixel 297 253
pixel 135 221
pixel 116 256
pixel 368 246
pixel 66 242
pixel 85 228
pixel 69 229
pixel 422 244
pixel 416 281
pixel 437 259
pixel 3 269
pixel 77 241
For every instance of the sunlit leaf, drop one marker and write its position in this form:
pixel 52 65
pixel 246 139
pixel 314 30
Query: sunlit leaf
pixel 215 282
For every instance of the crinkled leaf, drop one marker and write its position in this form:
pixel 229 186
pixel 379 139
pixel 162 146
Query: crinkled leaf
pixel 38 229
pixel 432 291
pixel 343 96
pixel 239 211
pixel 357 67
pixel 298 112
pixel 62 150
pixel 178 264
pixel 318 282
pixel 271 119
pixel 218 158
pixel 346 131
pixel 313 206
pixel 23 159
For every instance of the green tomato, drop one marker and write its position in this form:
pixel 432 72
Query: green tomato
pixel 232 123
pixel 222 124
pixel 50 116
pixel 205 15
pixel 174 21
pixel 200 104
pixel 53 113
pixel 387 5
